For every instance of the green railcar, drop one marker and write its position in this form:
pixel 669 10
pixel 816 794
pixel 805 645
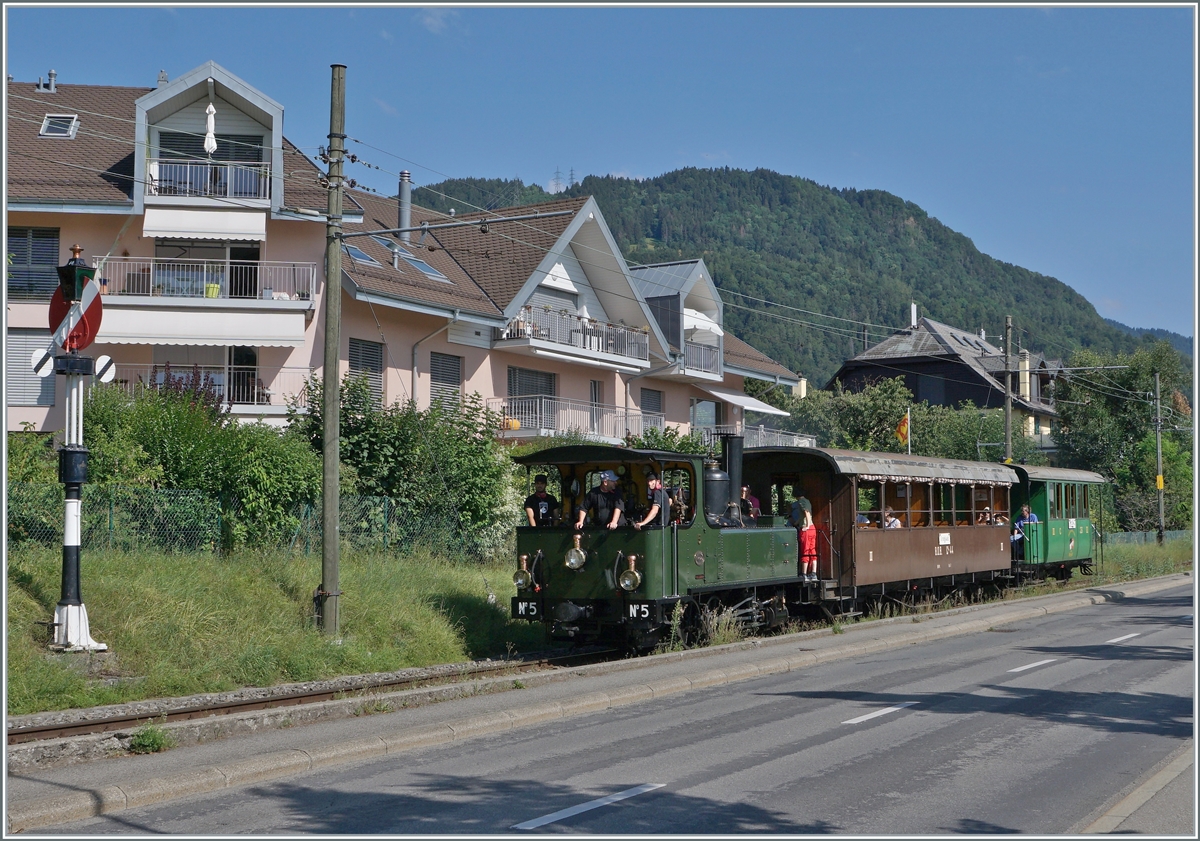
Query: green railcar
pixel 1063 539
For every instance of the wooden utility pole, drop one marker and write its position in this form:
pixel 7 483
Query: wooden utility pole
pixel 327 595
pixel 1007 388
pixel 1162 516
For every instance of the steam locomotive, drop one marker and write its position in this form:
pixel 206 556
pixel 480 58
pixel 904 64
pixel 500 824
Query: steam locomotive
pixel 621 586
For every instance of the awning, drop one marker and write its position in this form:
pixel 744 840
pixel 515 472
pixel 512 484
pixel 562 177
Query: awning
pixel 175 223
pixel 123 326
pixel 696 320
pixel 744 400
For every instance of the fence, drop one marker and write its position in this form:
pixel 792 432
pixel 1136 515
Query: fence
pixel 1126 537
pixel 168 520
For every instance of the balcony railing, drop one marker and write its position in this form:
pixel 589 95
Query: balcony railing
pixel 183 278
pixel 542 414
pixel 755 436
pixel 576 331
pixel 208 179
pixel 704 358
pixel 253 385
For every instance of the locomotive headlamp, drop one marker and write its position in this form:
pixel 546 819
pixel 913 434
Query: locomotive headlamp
pixel 630 579
pixel 576 557
pixel 523 578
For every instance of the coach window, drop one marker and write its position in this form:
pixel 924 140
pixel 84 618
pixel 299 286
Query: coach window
pixel 982 498
pixel 943 505
pixel 868 505
pixel 919 504
pixel 962 505
pixel 896 496
pixel 1085 494
pixel 1000 502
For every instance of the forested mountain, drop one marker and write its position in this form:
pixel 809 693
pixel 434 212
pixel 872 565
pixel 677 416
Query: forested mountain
pixel 1181 343
pixel 828 254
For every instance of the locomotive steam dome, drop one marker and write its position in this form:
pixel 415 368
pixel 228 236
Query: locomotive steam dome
pixel 716 489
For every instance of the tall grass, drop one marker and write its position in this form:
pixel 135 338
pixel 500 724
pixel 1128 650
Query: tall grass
pixel 183 624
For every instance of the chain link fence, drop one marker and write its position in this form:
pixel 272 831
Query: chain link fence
pixel 167 520
pixel 1137 537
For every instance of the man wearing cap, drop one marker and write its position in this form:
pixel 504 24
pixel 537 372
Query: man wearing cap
pixel 660 504
pixel 604 502
pixel 540 507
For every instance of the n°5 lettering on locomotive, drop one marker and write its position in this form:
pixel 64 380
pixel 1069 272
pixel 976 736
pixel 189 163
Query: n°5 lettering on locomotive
pixel 639 610
pixel 522 608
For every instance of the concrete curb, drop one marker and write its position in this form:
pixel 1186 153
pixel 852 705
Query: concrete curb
pixel 79 805
pixel 1140 796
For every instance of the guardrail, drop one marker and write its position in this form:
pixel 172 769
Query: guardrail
pixel 538 414
pixel 755 436
pixel 176 277
pixel 253 385
pixel 698 357
pixel 564 328
pixel 208 179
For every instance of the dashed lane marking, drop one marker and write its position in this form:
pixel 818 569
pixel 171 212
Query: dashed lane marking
pixel 1121 639
pixel 1033 665
pixel 878 713
pixel 587 807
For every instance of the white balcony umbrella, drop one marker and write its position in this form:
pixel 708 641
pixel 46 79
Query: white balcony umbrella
pixel 210 128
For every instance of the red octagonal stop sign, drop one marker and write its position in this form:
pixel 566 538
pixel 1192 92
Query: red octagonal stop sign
pixel 74 326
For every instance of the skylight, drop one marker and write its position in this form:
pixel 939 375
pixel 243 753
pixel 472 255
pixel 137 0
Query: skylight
pixel 423 267
pixel 60 125
pixel 360 256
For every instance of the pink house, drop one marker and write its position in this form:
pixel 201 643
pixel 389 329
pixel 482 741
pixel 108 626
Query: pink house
pixel 212 262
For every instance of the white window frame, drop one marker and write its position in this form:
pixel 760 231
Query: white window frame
pixel 71 129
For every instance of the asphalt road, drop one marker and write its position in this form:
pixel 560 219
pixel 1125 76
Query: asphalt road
pixel 1035 727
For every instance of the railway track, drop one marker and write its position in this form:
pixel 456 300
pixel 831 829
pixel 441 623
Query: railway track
pixel 104 724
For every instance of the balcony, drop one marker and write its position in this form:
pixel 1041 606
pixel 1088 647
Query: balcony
pixel 184 278
pixel 541 414
pixel 208 179
pixel 234 385
pixel 755 436
pixel 705 358
pixel 537 327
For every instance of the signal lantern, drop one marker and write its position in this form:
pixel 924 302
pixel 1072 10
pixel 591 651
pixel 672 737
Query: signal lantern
pixel 74 276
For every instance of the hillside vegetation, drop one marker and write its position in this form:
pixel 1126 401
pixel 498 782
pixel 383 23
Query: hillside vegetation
pixel 852 254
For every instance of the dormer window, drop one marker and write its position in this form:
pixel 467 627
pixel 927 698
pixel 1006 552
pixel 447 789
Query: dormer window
pixel 60 125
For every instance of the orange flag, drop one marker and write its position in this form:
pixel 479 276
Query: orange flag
pixel 902 430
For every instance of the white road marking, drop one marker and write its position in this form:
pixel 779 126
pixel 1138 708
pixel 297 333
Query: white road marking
pixel 1122 639
pixel 878 713
pixel 587 807
pixel 1033 665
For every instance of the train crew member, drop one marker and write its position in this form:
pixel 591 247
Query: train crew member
pixel 1018 536
pixel 750 506
pixel 540 507
pixel 660 504
pixel 889 519
pixel 606 505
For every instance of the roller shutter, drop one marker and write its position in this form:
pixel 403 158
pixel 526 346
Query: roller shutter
pixel 33 274
pixel 445 375
pixel 523 381
pixel 366 359
pixel 26 388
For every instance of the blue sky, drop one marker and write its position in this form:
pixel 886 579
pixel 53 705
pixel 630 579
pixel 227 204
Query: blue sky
pixel 1059 139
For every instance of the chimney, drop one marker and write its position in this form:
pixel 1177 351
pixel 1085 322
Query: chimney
pixel 405 204
pixel 47 88
pixel 162 78
pixel 983 334
pixel 913 317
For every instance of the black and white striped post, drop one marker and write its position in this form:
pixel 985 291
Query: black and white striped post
pixel 77 290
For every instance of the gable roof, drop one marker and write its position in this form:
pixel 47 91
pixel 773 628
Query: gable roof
pixel 741 358
pixel 407 283
pixel 502 260
pixel 97 165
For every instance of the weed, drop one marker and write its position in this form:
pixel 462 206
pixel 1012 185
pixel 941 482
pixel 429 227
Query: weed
pixel 837 627
pixel 516 684
pixel 373 706
pixel 675 639
pixel 151 738
pixel 720 627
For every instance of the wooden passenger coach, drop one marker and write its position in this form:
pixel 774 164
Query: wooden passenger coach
pixel 953 515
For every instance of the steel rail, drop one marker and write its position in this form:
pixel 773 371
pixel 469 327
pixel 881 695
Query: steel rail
pixel 42 732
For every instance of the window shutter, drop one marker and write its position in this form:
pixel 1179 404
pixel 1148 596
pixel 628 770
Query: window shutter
pixel 445 374
pixel 556 299
pixel 366 358
pixel 26 388
pixel 34 272
pixel 652 400
pixel 523 382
